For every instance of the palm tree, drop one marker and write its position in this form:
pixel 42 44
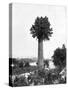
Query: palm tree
pixel 42 31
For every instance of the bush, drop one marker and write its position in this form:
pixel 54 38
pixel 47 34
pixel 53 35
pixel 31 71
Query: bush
pixel 20 81
pixel 59 57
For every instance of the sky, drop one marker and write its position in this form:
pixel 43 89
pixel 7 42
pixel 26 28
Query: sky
pixel 23 16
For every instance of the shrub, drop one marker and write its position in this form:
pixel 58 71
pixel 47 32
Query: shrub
pixel 20 81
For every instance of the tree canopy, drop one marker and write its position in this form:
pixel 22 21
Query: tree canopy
pixel 41 28
pixel 59 57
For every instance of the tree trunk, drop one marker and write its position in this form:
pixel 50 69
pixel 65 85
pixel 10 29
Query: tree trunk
pixel 40 54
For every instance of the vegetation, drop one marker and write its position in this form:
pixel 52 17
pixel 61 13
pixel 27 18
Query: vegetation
pixel 40 76
pixel 42 31
pixel 59 57
pixel 23 74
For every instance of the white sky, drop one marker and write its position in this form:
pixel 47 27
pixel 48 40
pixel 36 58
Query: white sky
pixel 23 16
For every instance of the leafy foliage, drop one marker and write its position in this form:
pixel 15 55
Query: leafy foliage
pixel 20 81
pixel 59 57
pixel 21 64
pixel 46 63
pixel 27 64
pixel 36 76
pixel 40 77
pixel 41 28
